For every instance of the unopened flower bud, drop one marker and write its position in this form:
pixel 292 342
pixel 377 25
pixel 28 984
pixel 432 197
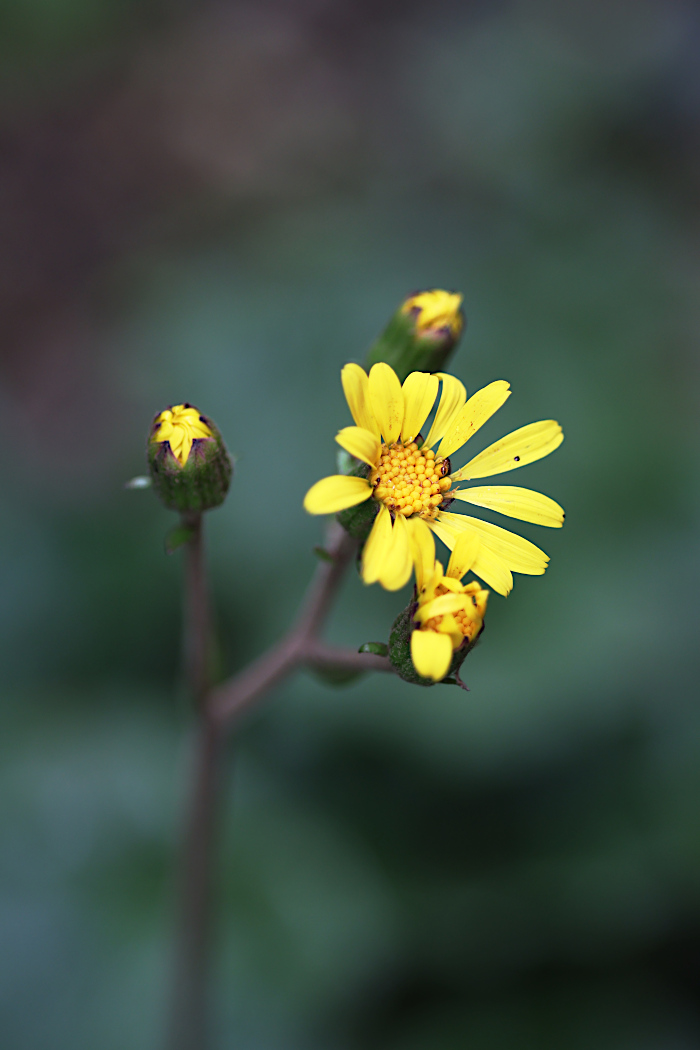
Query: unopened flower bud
pixel 422 333
pixel 187 459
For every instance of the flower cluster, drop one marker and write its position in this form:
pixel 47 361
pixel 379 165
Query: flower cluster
pixel 410 419
pixel 408 483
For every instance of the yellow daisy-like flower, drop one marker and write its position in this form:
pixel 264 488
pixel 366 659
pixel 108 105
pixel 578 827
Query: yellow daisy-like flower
pixel 449 613
pixel 435 310
pixel 180 426
pixel 409 477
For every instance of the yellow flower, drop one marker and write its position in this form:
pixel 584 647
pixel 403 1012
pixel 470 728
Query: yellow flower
pixel 180 425
pixel 449 613
pixel 435 310
pixel 409 478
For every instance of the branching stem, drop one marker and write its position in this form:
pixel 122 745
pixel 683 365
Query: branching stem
pixel 301 645
pixel 217 710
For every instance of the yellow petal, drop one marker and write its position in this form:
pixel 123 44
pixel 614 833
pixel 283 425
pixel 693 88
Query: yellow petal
pixel 436 309
pixel 184 448
pixel 480 407
pixel 444 531
pixel 397 567
pixel 175 441
pixel 446 603
pixel 422 550
pixel 490 567
pixel 419 393
pixel 464 554
pixel 479 598
pixel 199 429
pixel 386 399
pixel 514 450
pixel 377 547
pixel 525 504
pixel 186 414
pixel 360 443
pixel 164 431
pixel 433 582
pixel 448 625
pixel 518 553
pixel 453 585
pixel 338 492
pixel 356 390
pixel 431 654
pixel 452 399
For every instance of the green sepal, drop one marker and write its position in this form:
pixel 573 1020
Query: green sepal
pixel 406 351
pixel 400 652
pixel 344 461
pixel 177 537
pixel 376 648
pixel 358 520
pixel 202 483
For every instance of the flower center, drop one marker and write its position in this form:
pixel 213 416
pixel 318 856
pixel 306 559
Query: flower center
pixel 410 480
pixel 466 624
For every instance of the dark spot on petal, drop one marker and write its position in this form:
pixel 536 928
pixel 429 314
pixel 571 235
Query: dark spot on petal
pixel 516 458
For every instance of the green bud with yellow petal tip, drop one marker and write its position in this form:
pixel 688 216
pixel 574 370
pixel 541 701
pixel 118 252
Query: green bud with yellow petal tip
pixel 400 651
pixel 187 459
pixel 422 334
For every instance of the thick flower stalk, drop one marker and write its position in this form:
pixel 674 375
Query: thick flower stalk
pixel 405 476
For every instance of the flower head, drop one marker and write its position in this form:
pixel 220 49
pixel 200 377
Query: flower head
pixel 408 477
pixel 449 615
pixel 188 462
pixel 436 311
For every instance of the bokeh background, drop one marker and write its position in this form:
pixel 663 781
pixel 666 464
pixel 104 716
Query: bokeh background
pixel 222 203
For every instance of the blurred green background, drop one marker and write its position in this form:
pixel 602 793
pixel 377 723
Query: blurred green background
pixel 222 203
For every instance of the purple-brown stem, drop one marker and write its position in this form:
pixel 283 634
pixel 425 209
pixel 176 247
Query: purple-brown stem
pixel 216 710
pixel 197 615
pixel 189 1014
pixel 189 1007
